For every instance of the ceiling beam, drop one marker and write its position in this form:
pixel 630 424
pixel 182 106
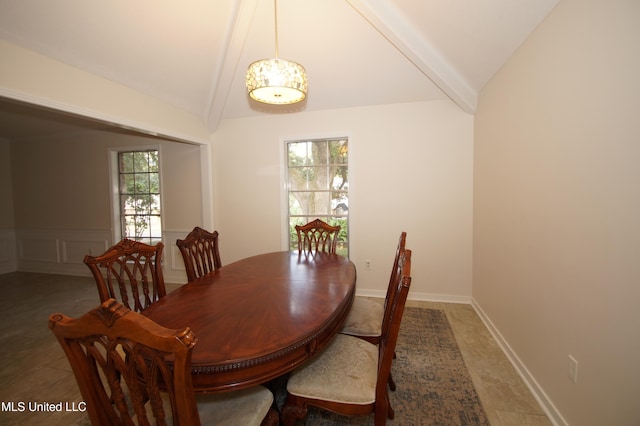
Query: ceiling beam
pixel 227 64
pixel 393 26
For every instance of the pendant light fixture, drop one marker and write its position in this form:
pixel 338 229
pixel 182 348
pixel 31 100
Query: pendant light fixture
pixel 276 81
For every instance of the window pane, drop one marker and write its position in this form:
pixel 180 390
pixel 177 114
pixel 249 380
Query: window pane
pixel 127 183
pixel 127 204
pixel 308 178
pixel 154 182
pixel 340 203
pixel 295 208
pixel 299 178
pixel 142 183
pixel 154 207
pixel 339 151
pixel 313 203
pixel 141 162
pixel 153 161
pixel 339 178
pixel 298 153
pixel 126 162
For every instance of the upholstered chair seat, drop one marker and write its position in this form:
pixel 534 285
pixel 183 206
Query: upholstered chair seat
pixel 348 361
pixel 243 407
pixel 247 407
pixel 365 318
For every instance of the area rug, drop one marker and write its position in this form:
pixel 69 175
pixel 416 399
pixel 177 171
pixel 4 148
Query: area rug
pixel 433 384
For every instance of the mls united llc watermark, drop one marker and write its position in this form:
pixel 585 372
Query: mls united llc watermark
pixel 33 406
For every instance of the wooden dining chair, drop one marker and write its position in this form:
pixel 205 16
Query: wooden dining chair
pixel 366 315
pixel 131 370
pixel 200 252
pixel 130 272
pixel 317 236
pixel 350 375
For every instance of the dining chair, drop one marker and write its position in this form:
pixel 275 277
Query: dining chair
pixel 317 236
pixel 200 252
pixel 131 370
pixel 130 271
pixel 350 375
pixel 366 315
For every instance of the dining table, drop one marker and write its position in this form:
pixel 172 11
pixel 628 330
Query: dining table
pixel 260 317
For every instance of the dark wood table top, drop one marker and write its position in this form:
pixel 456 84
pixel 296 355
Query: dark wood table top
pixel 260 317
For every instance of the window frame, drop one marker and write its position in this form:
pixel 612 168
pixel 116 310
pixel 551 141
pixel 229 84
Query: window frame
pixel 114 179
pixel 287 240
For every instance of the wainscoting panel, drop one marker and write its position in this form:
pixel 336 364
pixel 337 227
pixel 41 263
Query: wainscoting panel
pixel 173 267
pixel 38 250
pixel 56 251
pixel 74 251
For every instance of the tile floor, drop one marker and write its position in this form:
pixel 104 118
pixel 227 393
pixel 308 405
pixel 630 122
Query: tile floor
pixel 34 368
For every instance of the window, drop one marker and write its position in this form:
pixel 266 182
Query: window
pixel 139 196
pixel 318 186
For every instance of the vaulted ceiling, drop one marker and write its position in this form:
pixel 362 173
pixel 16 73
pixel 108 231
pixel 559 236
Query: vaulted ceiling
pixel 193 54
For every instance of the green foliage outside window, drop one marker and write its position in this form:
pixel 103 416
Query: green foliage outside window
pixel 317 179
pixel 139 186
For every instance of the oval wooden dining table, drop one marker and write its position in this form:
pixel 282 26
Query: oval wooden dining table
pixel 260 317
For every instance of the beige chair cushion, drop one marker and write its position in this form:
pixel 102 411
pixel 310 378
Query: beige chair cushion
pixel 346 371
pixel 243 407
pixel 365 318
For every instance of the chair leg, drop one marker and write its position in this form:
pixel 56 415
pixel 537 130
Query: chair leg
pixel 392 384
pixel 271 419
pixel 292 412
pixel 383 411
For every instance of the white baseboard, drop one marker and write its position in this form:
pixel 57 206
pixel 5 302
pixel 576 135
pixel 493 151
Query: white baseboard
pixel 539 394
pixel 425 297
pixel 444 298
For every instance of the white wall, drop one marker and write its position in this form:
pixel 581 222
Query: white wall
pixel 557 209
pixel 410 168
pixel 56 85
pixel 62 203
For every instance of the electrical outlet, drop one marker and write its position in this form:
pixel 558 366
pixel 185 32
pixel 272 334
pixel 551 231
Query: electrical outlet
pixel 573 369
pixel 367 264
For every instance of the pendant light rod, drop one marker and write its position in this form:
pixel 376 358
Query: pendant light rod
pixel 275 14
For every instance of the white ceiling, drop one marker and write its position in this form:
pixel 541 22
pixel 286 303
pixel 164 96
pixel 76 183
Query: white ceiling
pixel 194 54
